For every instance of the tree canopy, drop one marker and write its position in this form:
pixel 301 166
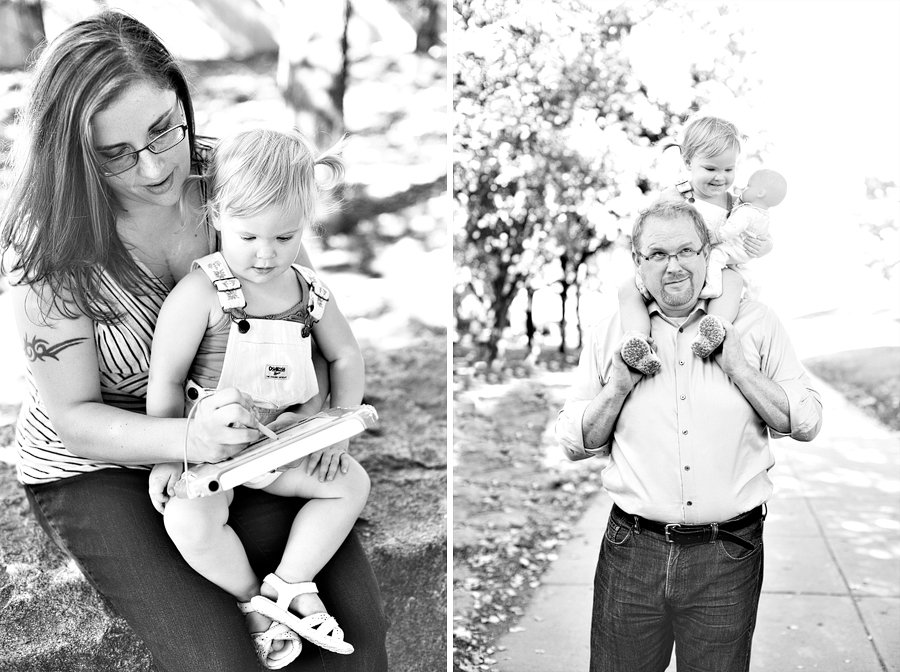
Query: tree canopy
pixel 555 139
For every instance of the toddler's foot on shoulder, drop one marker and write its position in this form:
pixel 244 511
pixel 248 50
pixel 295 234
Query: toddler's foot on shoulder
pixel 710 335
pixel 638 354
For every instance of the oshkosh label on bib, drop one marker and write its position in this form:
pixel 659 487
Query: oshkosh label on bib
pixel 277 371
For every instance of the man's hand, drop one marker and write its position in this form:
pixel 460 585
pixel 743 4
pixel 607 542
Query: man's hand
pixel 602 413
pixel 622 377
pixel 730 357
pixel 162 483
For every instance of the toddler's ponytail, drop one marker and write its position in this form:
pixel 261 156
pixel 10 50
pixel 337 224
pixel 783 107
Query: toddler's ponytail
pixel 331 160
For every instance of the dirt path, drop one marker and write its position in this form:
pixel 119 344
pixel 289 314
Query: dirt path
pixel 514 501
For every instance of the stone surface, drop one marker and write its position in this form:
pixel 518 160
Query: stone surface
pixel 52 619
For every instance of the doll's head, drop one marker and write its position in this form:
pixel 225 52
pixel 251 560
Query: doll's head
pixel 765 189
pixel 709 148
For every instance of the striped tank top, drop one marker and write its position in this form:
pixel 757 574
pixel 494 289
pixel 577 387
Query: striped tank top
pixel 123 350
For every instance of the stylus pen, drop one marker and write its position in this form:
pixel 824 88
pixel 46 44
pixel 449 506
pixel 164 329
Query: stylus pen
pixel 265 430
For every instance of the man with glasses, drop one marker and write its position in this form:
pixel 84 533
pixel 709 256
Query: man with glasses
pixel 688 455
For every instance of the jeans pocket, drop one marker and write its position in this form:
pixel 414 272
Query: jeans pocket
pixel 617 533
pixel 751 534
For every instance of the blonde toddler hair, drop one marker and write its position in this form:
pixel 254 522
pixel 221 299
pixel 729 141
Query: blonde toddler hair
pixel 709 136
pixel 252 170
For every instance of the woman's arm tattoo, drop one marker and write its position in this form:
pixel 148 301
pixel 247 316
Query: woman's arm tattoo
pixel 40 349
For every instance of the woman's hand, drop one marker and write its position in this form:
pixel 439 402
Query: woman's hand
pixel 162 483
pixel 329 460
pixel 222 426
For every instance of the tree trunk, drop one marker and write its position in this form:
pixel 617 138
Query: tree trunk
pixel 529 317
pixel 312 66
pixel 564 295
pixel 21 30
pixel 578 316
pixel 502 301
pixel 428 33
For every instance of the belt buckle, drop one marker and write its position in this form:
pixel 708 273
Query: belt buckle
pixel 669 528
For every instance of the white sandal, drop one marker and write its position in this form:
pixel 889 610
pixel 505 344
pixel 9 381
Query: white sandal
pixel 274 660
pixel 319 628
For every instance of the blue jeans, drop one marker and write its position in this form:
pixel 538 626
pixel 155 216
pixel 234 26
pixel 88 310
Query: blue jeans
pixel 649 595
pixel 105 521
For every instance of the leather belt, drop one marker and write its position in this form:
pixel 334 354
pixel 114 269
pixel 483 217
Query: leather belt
pixel 685 534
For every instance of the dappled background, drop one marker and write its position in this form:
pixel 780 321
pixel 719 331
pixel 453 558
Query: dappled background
pixel 563 112
pixel 375 69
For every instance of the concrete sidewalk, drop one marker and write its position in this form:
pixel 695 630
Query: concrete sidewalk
pixel 831 596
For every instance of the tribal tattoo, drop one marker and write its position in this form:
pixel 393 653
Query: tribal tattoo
pixel 39 349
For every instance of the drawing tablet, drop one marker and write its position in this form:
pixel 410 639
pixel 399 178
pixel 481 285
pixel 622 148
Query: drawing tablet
pixel 266 455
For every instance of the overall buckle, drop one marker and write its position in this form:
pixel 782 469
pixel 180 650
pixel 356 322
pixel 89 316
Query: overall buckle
pixel 227 284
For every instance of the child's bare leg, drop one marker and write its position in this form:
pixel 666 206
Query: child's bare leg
pixel 711 333
pixel 319 528
pixel 636 345
pixel 632 309
pixel 199 529
pixel 726 306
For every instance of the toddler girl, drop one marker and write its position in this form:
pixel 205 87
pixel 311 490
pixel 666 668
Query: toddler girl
pixel 243 318
pixel 710 150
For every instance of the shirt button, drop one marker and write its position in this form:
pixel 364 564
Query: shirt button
pixel 681 362
pixel 684 431
pixel 680 330
pixel 690 503
pixel 687 468
pixel 682 397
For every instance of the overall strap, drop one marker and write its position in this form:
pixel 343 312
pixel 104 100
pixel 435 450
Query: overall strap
pixel 685 189
pixel 318 297
pixel 228 287
pixel 729 203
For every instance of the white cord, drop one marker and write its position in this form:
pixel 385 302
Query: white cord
pixel 187 426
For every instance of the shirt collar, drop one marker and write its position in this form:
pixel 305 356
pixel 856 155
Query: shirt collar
pixel 653 307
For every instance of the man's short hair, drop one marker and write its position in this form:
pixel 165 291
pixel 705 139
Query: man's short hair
pixel 669 209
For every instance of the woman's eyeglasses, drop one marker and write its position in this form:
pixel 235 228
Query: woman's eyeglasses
pixel 161 143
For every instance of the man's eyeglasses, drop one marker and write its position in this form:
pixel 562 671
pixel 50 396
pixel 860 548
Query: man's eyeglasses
pixel 662 258
pixel 161 143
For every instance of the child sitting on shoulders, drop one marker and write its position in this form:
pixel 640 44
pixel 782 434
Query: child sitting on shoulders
pixel 710 150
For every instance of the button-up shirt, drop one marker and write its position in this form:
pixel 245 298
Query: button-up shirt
pixel 687 446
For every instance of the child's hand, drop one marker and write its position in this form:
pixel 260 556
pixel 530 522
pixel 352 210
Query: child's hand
pixel 329 460
pixel 162 483
pixel 283 421
pixel 757 247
